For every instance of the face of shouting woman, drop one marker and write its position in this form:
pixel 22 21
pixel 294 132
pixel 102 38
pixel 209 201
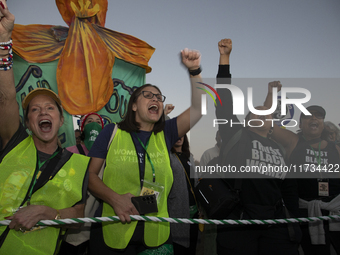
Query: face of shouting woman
pixel 312 125
pixel 44 119
pixel 148 108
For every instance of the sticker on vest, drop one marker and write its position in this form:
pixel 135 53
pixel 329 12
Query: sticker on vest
pixel 62 173
pixel 67 185
pixel 11 191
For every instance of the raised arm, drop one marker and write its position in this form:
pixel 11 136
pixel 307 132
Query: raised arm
pixel 9 121
pixel 168 109
pixel 225 111
pixel 269 99
pixel 191 59
pixel 225 46
pixel 285 137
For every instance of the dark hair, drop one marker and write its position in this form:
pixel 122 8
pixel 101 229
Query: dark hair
pixel 28 107
pixel 129 124
pixel 185 147
pixel 82 136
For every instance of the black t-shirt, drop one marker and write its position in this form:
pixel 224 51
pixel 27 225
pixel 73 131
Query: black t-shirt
pixel 257 150
pixel 302 154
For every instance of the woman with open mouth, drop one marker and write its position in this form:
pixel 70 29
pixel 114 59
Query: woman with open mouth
pixel 316 161
pixel 138 164
pixel 38 179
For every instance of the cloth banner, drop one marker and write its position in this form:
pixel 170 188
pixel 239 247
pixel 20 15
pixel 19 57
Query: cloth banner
pixel 126 78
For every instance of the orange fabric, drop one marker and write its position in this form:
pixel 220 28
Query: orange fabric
pixel 66 10
pixel 86 53
pixel 127 47
pixel 36 43
pixel 84 70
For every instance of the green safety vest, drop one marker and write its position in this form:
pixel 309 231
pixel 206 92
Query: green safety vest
pixel 121 174
pixel 62 191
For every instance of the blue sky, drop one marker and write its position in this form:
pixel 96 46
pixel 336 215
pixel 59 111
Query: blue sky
pixel 271 39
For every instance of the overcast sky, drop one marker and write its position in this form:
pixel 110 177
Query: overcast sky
pixel 271 39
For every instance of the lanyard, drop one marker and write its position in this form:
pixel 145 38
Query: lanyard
pixel 37 174
pixel 148 156
pixel 319 156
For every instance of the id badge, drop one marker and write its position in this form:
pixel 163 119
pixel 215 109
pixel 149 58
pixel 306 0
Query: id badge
pixel 323 188
pixel 147 191
pixel 152 188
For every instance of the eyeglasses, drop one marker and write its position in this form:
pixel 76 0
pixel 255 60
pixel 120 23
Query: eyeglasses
pixel 317 115
pixel 150 95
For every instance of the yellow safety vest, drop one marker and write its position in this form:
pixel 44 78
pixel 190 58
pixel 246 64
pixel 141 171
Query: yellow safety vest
pixel 62 191
pixel 121 174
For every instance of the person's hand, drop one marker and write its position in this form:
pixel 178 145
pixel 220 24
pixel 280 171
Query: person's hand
pixel 225 46
pixel 168 108
pixel 274 84
pixel 3 6
pixel 123 207
pixel 6 22
pixel 191 59
pixel 27 217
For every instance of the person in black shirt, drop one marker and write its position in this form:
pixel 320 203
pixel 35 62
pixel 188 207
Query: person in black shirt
pixel 262 197
pixel 309 150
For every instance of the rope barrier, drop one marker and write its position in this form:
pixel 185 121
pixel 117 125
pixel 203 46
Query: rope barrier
pixel 179 220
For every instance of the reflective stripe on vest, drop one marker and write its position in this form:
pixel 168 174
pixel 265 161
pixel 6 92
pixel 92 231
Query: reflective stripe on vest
pixel 121 174
pixel 63 191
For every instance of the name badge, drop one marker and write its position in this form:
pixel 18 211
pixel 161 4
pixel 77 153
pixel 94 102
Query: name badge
pixel 323 188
